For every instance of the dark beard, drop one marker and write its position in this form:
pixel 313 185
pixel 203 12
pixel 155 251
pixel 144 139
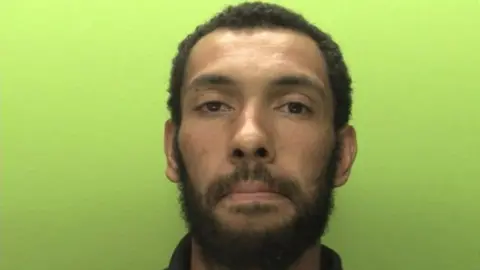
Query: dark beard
pixel 272 249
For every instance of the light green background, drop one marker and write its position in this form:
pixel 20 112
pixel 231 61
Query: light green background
pixel 83 90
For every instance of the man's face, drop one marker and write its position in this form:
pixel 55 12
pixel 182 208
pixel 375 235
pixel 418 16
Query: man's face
pixel 256 152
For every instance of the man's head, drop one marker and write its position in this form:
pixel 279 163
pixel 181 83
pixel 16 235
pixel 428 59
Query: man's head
pixel 258 138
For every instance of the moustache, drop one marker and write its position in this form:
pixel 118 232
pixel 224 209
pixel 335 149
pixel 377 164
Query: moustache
pixel 259 173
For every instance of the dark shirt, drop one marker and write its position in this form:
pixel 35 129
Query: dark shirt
pixel 181 257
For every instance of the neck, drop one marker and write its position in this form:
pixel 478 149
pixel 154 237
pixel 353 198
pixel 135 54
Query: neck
pixel 309 260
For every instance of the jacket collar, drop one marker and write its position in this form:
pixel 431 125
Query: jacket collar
pixel 180 259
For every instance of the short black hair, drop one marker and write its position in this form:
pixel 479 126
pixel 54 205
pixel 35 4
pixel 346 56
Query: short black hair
pixel 266 15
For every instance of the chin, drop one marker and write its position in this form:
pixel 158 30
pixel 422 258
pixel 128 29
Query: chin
pixel 253 218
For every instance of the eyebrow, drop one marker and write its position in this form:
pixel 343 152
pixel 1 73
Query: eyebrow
pixel 298 81
pixel 292 80
pixel 211 79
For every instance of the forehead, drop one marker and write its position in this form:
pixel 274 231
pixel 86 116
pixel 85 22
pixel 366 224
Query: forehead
pixel 256 53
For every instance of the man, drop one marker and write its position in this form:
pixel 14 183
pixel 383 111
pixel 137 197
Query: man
pixel 258 139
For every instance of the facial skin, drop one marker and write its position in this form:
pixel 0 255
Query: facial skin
pixel 257 115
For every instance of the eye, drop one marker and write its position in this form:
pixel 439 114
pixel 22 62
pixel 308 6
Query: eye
pixel 214 106
pixel 296 108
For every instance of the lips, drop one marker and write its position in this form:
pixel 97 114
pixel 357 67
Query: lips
pixel 251 187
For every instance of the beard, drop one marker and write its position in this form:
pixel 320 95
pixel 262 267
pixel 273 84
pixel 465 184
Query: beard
pixel 275 247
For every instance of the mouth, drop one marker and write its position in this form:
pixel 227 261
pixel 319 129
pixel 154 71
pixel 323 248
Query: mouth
pixel 250 191
pixel 248 187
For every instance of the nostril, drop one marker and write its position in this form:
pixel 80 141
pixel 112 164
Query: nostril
pixel 261 152
pixel 238 153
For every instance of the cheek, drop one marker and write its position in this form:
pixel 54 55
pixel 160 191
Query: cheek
pixel 201 158
pixel 305 154
pixel 307 159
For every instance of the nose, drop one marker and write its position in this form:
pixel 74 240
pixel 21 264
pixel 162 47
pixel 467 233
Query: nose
pixel 251 143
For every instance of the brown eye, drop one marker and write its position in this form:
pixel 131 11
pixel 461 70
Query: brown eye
pixel 214 106
pixel 296 108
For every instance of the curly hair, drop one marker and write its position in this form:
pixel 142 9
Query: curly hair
pixel 270 16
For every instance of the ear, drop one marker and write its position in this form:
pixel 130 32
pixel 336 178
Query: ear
pixel 347 153
pixel 168 145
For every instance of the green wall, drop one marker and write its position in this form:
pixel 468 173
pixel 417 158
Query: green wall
pixel 82 105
